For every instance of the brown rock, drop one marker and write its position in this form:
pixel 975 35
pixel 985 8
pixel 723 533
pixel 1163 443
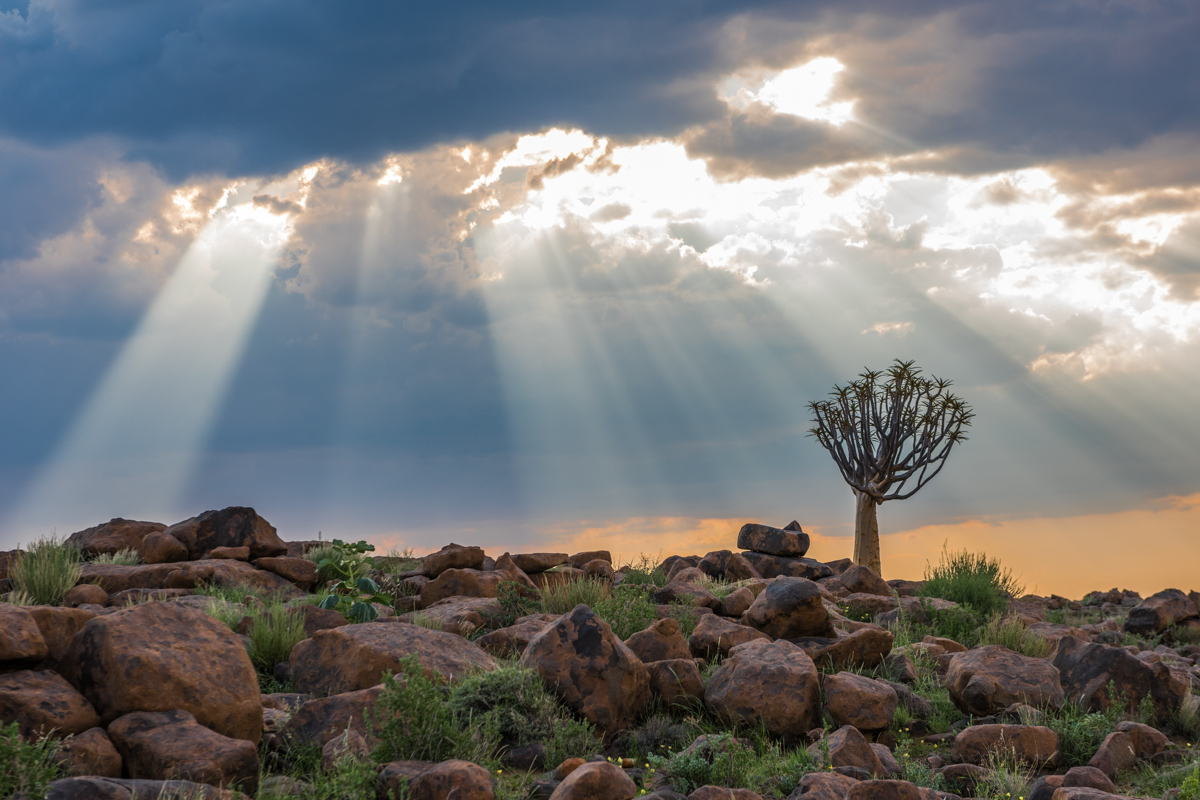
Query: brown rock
pixel 396 777
pixel 1084 793
pixel 723 793
pixel 42 704
pixel 715 636
pixel 164 657
pixel 599 568
pixel 1160 611
pixel 1115 754
pixel 890 790
pixel 596 780
pixel 1034 744
pixel 1086 669
pixel 865 647
pixel 85 594
pixel 20 639
pixel 558 576
pixel 89 753
pixel 677 681
pixel 173 745
pixel 964 778
pixel 1147 741
pixel 230 527
pixel 772 683
pixel 736 603
pixel 580 559
pixel 859 701
pixel 872 604
pixel 231 553
pixel 592 670
pixel 864 580
pixel 774 541
pixel 770 566
pixel 96 788
pixel 452 556
pixel 789 608
pixel 511 572
pixel 58 626
pixel 824 786
pixel 319 720
pixel 356 656
pixel 115 578
pixel 347 744
pixel 299 571
pixel 115 535
pixel 320 619
pixel 512 641
pixel 659 642
pixel 529 563
pixel 682 590
pixel 568 766
pixel 1089 777
pixel 949 645
pixel 991 678
pixel 460 615
pixel 461 583
pixel 452 780
pixel 847 747
pixel 163 548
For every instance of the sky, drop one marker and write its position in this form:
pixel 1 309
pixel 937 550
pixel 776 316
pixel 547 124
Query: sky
pixel 542 276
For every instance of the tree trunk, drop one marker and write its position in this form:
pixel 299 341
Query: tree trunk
pixel 866 533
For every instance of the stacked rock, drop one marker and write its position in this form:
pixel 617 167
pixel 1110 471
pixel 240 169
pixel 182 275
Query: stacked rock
pixel 780 551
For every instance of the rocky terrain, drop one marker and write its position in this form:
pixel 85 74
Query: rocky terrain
pixel 211 659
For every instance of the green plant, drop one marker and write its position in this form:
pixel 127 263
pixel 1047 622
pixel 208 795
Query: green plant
pixel 959 623
pixel 413 720
pixel 1015 635
pixel 510 707
pixel 723 761
pixel 1080 732
pixel 426 620
pixel 571 738
pixel 125 558
pixel 627 610
pixel 561 598
pixel 1007 776
pixel 1190 790
pixel 275 631
pixel 46 571
pixel 224 611
pixel 683 611
pixel 971 579
pixel 352 592
pixel 26 766
pixel 340 560
pixel 644 571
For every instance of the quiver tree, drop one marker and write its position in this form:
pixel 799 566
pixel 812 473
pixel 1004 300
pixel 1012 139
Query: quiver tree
pixel 888 438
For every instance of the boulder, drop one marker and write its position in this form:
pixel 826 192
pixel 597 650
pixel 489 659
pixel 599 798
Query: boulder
pixel 890 790
pixel 85 594
pixel 89 753
pixel 773 541
pixel 861 579
pixel 859 701
pixel 115 578
pixel 452 556
pixel 58 627
pixel 97 788
pixel 736 603
pixel 1160 611
pixel 723 793
pixel 1033 744
pixel 1147 741
pixel 42 703
pixel 173 745
pixel 1115 754
pixel 659 642
pixel 451 780
pixel 460 615
pixel 677 681
pixel 1086 669
pixel 232 553
pixel 511 572
pixel 299 571
pixel 163 548
pixel 1089 777
pixel 320 619
pixel 823 786
pixel 789 608
pixel 356 656
pixel 866 647
pixel 347 744
pixel 599 568
pixel 847 747
pixel 715 636
pixel 512 641
pixel 394 779
pixel 164 657
pixel 230 527
pixel 772 683
pixel 319 720
pixel 115 535
pixel 529 563
pixel 580 559
pixel 20 639
pixel 455 582
pixel 591 669
pixel 989 679
pixel 596 780
pixel 770 566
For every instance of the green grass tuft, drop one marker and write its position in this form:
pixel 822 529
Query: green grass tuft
pixel 971 579
pixel 26 766
pixel 46 571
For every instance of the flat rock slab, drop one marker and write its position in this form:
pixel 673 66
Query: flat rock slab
pixel 773 541
pixel 115 578
pixel 172 745
pixel 770 566
pixel 356 656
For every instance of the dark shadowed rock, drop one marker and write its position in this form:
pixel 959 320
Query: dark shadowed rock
pixel 451 780
pixel 452 556
pixel 319 720
pixel 1089 777
pixel 164 657
pixel 1033 744
pixel 163 548
pixel 847 747
pixel 862 579
pixel 115 535
pixel 989 679
pixel 596 780
pixel 723 793
pixel 659 642
pixel 591 669
pixel 356 656
pixel 774 683
pixel 770 566
pixel 230 527
pixel 20 639
pixel 512 641
pixel 42 703
pixel 1160 611
pixel 773 541
pixel 530 563
pixel 736 603
pixel 823 786
pixel 1086 669
pixel 677 681
pixel 715 636
pixel 890 790
pixel 58 627
pixel 96 788
pixel 865 647
pixel 89 753
pixel 172 745
pixel 789 608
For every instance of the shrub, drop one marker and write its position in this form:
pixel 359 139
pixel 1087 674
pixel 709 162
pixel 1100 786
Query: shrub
pixel 1080 732
pixel 276 630
pixel 644 572
pixel 1190 790
pixel 124 558
pixel 971 579
pixel 511 706
pixel 26 766
pixel 426 620
pixel 1007 776
pixel 589 591
pixel 725 762
pixel 414 721
pixel 1015 635
pixel 224 611
pixel 572 738
pixel 684 612
pixel 46 571
pixel 340 560
pixel 961 624
pixel 627 610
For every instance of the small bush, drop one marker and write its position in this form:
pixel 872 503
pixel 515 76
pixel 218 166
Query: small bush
pixel 1190 790
pixel 684 612
pixel 237 593
pixel 627 610
pixel 971 579
pixel 511 706
pixel 572 738
pixel 426 620
pixel 1015 635
pixel 562 598
pixel 961 624
pixel 26 766
pixel 414 721
pixel 644 572
pixel 725 762
pixel 1007 776
pixel 224 611
pixel 343 561
pixel 1080 732
pixel 276 630
pixel 46 571
pixel 122 558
